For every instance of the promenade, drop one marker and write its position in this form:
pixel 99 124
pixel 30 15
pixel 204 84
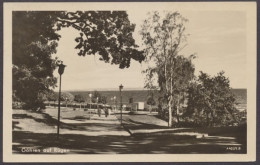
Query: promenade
pixel 83 133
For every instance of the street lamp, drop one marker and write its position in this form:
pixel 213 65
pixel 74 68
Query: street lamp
pixel 60 71
pixel 90 95
pixel 115 101
pixel 120 89
pixel 97 104
pixel 112 100
pixel 66 101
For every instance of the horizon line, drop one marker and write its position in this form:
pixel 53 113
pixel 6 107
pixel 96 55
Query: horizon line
pixel 115 89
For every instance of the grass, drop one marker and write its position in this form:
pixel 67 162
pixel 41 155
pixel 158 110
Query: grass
pixel 141 124
pixel 80 144
pixel 33 129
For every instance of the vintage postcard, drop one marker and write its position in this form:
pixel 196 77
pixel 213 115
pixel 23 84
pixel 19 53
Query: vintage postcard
pixel 129 82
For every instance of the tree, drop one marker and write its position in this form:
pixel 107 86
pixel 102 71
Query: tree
pixel 98 98
pixel 103 99
pixel 34 40
pixel 95 97
pixel 52 96
pixel 104 33
pixel 213 99
pixel 79 98
pixel 67 97
pixel 150 101
pixel 183 70
pixel 164 38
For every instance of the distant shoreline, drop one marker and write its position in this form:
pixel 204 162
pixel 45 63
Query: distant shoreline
pixel 125 89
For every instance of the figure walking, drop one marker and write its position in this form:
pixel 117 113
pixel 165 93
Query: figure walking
pixel 99 112
pixel 106 112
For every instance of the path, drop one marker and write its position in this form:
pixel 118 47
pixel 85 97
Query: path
pixel 95 126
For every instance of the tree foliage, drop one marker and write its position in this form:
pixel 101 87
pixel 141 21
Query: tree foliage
pixel 34 40
pixel 95 97
pixel 150 100
pixel 98 98
pixel 104 33
pixel 67 96
pixel 211 100
pixel 103 99
pixel 52 96
pixel 79 98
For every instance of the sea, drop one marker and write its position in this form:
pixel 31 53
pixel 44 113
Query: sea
pixel 141 95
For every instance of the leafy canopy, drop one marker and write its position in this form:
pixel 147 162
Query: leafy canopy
pixel 104 33
pixel 67 96
pixel 212 97
pixel 34 40
pixel 79 98
pixel 98 98
pixel 150 100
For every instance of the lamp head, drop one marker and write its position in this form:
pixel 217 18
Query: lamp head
pixel 61 67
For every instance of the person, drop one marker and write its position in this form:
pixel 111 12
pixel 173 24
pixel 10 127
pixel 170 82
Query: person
pixel 106 112
pixel 99 112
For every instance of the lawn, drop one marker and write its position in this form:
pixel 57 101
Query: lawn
pixel 38 130
pixel 68 113
pixel 148 125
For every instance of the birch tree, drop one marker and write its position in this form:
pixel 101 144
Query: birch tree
pixel 164 37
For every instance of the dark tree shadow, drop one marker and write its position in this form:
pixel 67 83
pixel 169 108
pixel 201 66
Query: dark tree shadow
pixel 112 144
pixel 80 144
pixel 14 125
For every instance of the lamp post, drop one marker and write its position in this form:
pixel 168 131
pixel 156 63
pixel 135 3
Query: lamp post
pixel 98 108
pixel 90 95
pixel 60 71
pixel 112 100
pixel 120 89
pixel 97 102
pixel 115 101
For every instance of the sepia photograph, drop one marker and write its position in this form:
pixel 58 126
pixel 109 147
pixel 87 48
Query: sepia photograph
pixel 173 80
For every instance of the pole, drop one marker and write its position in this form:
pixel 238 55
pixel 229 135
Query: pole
pixel 58 129
pixel 90 102
pixel 121 104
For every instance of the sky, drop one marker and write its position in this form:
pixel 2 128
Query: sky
pixel 217 37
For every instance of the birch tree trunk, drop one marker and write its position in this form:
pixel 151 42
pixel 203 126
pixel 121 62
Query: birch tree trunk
pixel 170 112
pixel 171 98
pixel 178 110
pixel 168 93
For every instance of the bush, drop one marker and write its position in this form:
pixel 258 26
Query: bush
pixel 34 105
pixel 17 105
